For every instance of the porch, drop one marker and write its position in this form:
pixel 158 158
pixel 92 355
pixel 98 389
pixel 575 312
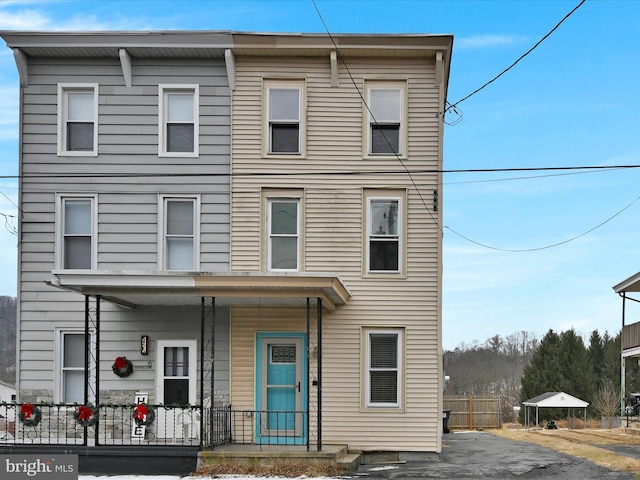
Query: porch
pixel 187 438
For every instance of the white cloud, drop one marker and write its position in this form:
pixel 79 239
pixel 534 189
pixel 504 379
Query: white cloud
pixel 22 20
pixel 485 41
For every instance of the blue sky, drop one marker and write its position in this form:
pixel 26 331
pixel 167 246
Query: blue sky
pixel 571 102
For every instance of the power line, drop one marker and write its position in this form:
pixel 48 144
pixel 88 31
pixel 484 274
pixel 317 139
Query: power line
pixel 453 105
pixel 546 246
pixel 288 173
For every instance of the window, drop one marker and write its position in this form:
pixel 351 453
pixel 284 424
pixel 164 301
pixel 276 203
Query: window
pixel 179 247
pixel 73 347
pixel 383 367
pixel 284 126
pixel 283 224
pixel 178 120
pixel 384 242
pixel 385 126
pixel 78 119
pixel 77 239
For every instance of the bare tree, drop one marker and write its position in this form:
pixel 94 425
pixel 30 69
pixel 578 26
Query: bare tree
pixel 607 402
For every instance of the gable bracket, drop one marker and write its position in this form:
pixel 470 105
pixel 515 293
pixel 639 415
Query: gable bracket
pixel 439 69
pixel 125 61
pixel 21 63
pixel 334 68
pixel 230 61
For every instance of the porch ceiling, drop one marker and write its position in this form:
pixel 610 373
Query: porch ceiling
pixel 132 289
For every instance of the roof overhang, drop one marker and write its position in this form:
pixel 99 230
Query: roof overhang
pixel 132 289
pixel 631 284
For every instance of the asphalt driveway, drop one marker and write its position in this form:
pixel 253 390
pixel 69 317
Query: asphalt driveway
pixel 480 455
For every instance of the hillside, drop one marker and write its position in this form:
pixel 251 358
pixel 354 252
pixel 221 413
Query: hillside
pixel 8 313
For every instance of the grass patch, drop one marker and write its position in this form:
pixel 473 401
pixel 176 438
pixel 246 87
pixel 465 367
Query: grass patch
pixel 267 468
pixel 582 444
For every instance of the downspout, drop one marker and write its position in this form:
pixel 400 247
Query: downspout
pixel 202 315
pixel 319 306
pixel 307 422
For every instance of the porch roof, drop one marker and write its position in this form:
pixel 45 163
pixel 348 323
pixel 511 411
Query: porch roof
pixel 631 284
pixel 133 288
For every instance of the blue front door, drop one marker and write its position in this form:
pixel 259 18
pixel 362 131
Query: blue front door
pixel 281 389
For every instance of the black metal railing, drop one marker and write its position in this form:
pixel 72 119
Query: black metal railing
pixel 66 424
pixel 108 424
pixel 268 427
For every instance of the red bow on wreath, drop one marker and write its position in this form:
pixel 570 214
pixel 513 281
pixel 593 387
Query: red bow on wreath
pixel 120 362
pixel 84 413
pixel 26 410
pixel 141 412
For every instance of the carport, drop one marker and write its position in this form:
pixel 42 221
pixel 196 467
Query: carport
pixel 553 400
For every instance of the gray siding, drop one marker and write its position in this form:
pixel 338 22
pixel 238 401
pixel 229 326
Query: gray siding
pixel 127 176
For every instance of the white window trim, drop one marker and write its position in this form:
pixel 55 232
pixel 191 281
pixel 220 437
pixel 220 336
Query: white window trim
pixel 403 133
pixel 292 84
pixel 63 88
pixel 58 361
pixel 59 218
pixel 162 124
pixel 399 404
pixel 162 221
pixel 291 199
pixel 402 237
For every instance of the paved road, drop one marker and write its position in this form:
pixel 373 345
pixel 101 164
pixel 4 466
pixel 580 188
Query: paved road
pixel 480 455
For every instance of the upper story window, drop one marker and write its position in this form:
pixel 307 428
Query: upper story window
pixel 77 238
pixel 386 124
pixel 385 232
pixel 180 232
pixel 178 120
pixel 383 361
pixel 283 232
pixel 78 119
pixel 284 125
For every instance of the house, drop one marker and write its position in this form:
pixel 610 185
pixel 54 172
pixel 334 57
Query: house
pixel 630 339
pixel 231 237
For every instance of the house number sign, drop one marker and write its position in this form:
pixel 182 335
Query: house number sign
pixel 144 344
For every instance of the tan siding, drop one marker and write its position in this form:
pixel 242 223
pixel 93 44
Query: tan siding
pixel 333 239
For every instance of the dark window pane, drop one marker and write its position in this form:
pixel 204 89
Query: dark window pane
pixel 384 350
pixel 384 387
pixel 179 137
pixel 77 252
pixel 284 253
pixel 383 255
pixel 284 218
pixel 79 136
pixel 176 391
pixel 285 138
pixel 385 139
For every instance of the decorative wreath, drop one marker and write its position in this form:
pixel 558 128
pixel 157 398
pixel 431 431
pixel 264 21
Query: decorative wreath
pixel 143 414
pixel 122 367
pixel 30 415
pixel 86 415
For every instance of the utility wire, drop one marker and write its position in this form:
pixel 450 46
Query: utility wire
pixel 546 246
pixel 454 105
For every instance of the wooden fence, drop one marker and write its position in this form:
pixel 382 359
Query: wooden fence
pixel 473 413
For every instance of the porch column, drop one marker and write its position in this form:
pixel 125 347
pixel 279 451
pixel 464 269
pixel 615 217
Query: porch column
pixel 622 359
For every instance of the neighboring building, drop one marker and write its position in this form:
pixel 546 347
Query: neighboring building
pixel 630 340
pixel 7 392
pixel 252 220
